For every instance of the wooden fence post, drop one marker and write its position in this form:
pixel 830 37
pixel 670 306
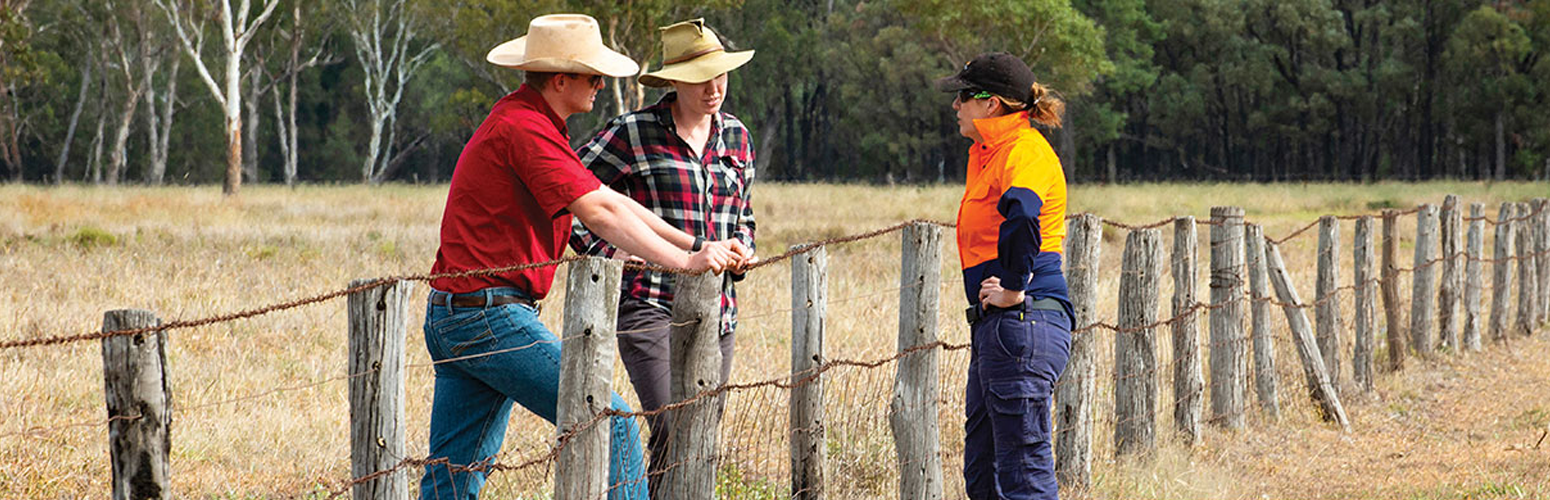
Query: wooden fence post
pixel 1366 298
pixel 134 374
pixel 586 378
pixel 1265 378
pixel 1188 382
pixel 809 308
pixel 1452 285
pixel 377 320
pixel 1319 386
pixel 696 368
pixel 1326 312
pixel 1501 273
pixel 1528 277
pixel 1135 345
pixel 1423 296
pixel 1473 281
pixel 1074 391
pixel 913 416
pixel 1228 361
pixel 1393 314
pixel 1542 258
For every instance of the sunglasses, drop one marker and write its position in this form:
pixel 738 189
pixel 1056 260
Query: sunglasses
pixel 966 95
pixel 592 80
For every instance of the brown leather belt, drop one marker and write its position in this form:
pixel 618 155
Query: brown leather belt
pixel 495 300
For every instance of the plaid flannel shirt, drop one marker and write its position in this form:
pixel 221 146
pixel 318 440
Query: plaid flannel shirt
pixel 640 154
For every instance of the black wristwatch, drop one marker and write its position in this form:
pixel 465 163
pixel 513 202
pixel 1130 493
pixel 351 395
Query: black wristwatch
pixel 699 242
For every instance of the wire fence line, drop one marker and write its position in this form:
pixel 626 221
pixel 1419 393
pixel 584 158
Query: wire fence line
pixel 782 382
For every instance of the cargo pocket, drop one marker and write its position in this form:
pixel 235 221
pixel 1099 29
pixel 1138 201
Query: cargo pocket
pixel 1021 410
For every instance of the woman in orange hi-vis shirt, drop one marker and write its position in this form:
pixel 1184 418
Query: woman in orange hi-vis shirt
pixel 1011 223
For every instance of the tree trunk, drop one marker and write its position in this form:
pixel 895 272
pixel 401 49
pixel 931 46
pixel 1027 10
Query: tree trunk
pixel 1501 146
pixel 250 126
pixel 75 117
pixel 161 129
pixel 118 155
pixel 233 107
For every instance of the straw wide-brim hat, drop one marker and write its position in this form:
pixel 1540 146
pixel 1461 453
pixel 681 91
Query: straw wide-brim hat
pixel 691 53
pixel 563 43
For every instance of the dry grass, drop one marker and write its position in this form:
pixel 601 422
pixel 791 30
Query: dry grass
pixel 1450 427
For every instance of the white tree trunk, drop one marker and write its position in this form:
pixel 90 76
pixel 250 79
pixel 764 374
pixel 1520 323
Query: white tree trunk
pixel 161 113
pixel 75 118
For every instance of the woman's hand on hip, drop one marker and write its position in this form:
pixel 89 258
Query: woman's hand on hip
pixel 991 293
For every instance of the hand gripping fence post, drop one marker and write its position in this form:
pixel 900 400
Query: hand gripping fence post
pixel 1423 296
pixel 1074 391
pixel 1320 387
pixel 1266 381
pixel 913 411
pixel 586 379
pixel 1501 274
pixel 1326 314
pixel 1135 346
pixel 1473 277
pixel 809 308
pixel 1188 382
pixel 134 372
pixel 1228 360
pixel 1366 299
pixel 376 351
pixel 696 368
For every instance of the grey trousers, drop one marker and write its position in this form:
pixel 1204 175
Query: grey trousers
pixel 647 356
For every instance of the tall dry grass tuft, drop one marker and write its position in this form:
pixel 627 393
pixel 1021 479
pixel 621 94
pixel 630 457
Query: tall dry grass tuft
pixel 69 254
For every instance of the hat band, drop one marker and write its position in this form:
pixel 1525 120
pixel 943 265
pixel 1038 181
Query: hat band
pixel 686 57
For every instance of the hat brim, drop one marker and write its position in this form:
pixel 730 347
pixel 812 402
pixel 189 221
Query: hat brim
pixel 698 70
pixel 953 84
pixel 513 54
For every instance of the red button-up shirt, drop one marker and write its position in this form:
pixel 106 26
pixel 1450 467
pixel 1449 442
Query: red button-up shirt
pixel 508 200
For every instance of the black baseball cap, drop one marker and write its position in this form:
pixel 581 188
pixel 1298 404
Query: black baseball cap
pixel 999 73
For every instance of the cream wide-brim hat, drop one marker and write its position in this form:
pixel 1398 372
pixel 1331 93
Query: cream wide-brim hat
pixel 691 53
pixel 563 43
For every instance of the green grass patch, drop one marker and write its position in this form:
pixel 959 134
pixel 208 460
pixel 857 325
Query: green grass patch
pixel 732 483
pixel 90 237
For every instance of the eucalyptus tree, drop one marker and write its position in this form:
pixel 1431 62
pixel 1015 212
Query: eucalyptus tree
pixel 390 47
pixel 237 28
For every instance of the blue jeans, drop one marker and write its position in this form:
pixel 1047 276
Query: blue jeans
pixel 1017 356
pixel 508 356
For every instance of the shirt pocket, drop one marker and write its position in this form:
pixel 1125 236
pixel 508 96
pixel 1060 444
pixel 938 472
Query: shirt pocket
pixel 727 173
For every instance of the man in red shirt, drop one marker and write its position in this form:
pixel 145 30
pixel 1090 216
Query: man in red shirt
pixel 513 193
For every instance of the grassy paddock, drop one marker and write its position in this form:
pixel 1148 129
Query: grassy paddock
pixel 68 254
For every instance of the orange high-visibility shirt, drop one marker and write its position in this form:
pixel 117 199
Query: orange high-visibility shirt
pixel 1011 222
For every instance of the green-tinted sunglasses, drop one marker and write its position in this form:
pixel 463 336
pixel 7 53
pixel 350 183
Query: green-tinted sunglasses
pixel 965 95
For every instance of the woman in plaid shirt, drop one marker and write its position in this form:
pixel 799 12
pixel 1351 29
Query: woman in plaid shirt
pixel 691 164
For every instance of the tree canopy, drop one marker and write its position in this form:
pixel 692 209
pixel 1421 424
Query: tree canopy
pixel 1265 90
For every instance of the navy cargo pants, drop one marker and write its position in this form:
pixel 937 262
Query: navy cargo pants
pixel 1017 356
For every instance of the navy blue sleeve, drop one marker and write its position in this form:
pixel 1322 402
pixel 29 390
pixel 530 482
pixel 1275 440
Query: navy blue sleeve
pixel 1020 237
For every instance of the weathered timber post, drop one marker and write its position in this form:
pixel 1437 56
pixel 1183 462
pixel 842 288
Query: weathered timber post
pixel 1188 382
pixel 1326 312
pixel 1528 277
pixel 1542 258
pixel 913 415
pixel 1366 299
pixel 1074 391
pixel 586 378
pixel 1319 386
pixel 134 380
pixel 1393 314
pixel 1423 296
pixel 377 328
pixel 1473 281
pixel 1135 345
pixel 1451 287
pixel 1265 378
pixel 696 369
pixel 809 308
pixel 1501 273
pixel 1228 359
